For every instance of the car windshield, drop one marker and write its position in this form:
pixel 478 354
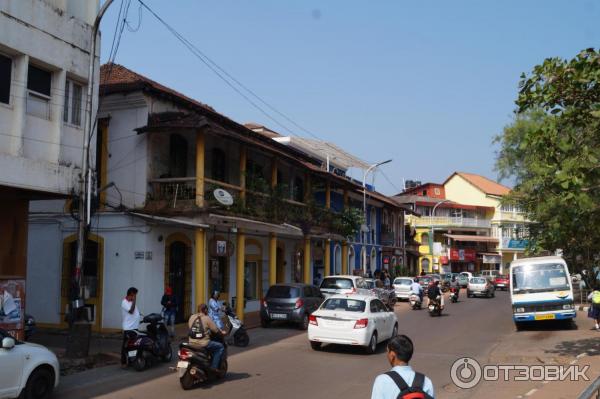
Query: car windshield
pixel 348 305
pixel 402 281
pixel 425 280
pixel 540 277
pixel 478 280
pixel 283 292
pixel 337 283
pixel 370 284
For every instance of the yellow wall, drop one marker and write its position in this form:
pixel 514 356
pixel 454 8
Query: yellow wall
pixel 461 191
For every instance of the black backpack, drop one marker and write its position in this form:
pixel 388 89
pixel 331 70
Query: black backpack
pixel 415 391
pixel 197 329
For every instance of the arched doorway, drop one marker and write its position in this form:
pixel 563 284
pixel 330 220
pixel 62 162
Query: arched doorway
pixel 351 260
pixel 298 269
pixel 178 272
pixel 337 260
pixel 363 260
pixel 93 272
pixel 373 260
pixel 425 265
pixel 280 265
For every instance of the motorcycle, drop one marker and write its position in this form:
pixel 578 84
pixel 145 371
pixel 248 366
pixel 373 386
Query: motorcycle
pixel 238 336
pixel 144 348
pixel 435 308
pixel 415 301
pixel 453 295
pixel 193 366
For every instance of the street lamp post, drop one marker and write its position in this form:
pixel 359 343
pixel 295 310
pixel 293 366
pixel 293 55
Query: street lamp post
pixel 431 226
pixel 364 184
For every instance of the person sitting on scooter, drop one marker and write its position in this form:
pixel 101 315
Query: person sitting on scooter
pixel 415 288
pixel 454 286
pixel 211 331
pixel 435 294
pixel 215 310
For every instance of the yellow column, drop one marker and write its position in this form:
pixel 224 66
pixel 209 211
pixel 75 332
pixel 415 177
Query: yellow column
pixel 239 282
pixel 200 267
pixel 328 195
pixel 344 257
pixel 327 258
pixel 200 168
pixel 272 259
pixel 243 156
pixel 307 260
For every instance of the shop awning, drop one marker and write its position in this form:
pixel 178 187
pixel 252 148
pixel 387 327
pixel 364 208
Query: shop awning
pixel 462 237
pixel 255 225
pixel 166 220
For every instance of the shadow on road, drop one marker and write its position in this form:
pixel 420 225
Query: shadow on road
pixel 591 346
pixel 230 377
pixel 548 325
pixel 352 350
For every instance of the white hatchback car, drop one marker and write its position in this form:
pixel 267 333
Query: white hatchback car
pixel 402 287
pixel 26 370
pixel 344 284
pixel 360 320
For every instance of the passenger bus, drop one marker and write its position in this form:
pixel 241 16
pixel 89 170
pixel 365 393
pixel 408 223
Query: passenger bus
pixel 541 290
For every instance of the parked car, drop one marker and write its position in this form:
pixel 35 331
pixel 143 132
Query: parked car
pixel 386 295
pixel 26 370
pixel 480 286
pixel 352 320
pixel 402 287
pixel 502 282
pixel 290 302
pixel 424 281
pixel 490 274
pixel 435 277
pixel 463 279
pixel 343 285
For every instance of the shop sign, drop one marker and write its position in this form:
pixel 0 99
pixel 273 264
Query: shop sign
pixel 12 307
pixel 386 260
pixel 220 247
pixel 492 259
pixel 463 255
pixel 444 260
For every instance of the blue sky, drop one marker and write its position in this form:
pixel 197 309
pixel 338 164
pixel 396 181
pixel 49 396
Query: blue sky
pixel 425 83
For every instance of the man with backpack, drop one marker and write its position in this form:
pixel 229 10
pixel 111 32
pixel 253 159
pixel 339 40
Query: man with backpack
pixel 594 310
pixel 401 382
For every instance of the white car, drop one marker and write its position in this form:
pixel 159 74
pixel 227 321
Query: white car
pixel 343 284
pixel 26 370
pixel 480 286
pixel 402 287
pixel 360 320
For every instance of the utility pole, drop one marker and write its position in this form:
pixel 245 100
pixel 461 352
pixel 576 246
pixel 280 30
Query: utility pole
pixel 366 228
pixel 77 301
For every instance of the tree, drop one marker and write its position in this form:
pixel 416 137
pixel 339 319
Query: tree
pixel 552 150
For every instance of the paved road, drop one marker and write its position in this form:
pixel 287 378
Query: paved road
pixel 280 363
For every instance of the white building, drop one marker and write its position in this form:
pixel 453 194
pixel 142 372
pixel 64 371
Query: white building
pixel 44 60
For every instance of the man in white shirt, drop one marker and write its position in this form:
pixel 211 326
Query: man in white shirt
pixel 131 320
pixel 401 378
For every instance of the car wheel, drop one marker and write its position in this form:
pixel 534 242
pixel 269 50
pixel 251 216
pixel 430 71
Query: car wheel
pixel 315 345
pixel 519 326
pixel 39 385
pixel 372 344
pixel 304 323
pixel 395 330
pixel 264 323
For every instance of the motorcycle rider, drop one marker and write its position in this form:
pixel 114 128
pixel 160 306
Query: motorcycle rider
pixel 215 310
pixel 211 331
pixel 415 288
pixel 455 286
pixel 435 294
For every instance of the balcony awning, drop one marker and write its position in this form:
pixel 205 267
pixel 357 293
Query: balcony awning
pixel 167 220
pixel 255 225
pixel 461 237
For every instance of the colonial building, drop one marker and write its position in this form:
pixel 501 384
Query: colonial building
pixel 44 60
pixel 190 199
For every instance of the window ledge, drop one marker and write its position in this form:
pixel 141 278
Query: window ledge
pixel 78 127
pixel 7 106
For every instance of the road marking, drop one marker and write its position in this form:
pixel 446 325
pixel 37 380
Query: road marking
pixel 534 390
pixel 581 355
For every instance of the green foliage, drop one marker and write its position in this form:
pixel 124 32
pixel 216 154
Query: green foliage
pixel 552 150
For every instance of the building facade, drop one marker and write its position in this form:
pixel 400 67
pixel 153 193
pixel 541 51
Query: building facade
pixel 190 199
pixel 44 60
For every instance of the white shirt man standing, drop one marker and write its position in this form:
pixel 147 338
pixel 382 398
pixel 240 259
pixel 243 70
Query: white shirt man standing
pixel 130 314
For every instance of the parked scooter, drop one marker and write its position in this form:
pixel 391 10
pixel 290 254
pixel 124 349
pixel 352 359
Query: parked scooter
pixel 238 335
pixel 453 295
pixel 415 301
pixel 193 366
pixel 435 308
pixel 144 348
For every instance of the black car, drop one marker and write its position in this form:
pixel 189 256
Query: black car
pixel 290 302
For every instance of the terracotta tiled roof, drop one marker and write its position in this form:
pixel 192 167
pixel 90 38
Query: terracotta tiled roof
pixel 116 78
pixel 484 184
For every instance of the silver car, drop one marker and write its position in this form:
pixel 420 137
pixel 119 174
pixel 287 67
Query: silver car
pixel 480 286
pixel 402 287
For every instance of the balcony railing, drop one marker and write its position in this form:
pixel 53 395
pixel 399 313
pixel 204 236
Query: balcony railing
pixel 173 189
pixel 510 216
pixel 449 221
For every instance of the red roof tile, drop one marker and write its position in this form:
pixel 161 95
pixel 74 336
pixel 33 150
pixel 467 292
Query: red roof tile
pixel 484 184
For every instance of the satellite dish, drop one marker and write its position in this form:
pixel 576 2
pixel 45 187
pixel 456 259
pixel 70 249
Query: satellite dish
pixel 223 197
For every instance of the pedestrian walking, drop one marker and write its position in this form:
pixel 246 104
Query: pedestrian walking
pixel 594 311
pixel 130 314
pixel 401 381
pixel 170 307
